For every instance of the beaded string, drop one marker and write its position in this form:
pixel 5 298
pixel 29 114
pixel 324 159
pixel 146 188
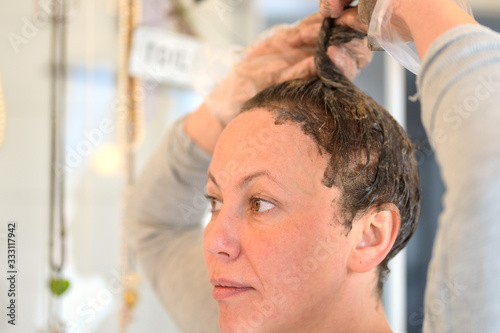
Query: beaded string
pixel 57 233
pixel 129 107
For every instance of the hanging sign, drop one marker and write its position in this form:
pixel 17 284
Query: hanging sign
pixel 167 57
pixel 162 56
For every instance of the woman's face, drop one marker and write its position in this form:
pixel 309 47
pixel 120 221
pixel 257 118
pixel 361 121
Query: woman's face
pixel 275 248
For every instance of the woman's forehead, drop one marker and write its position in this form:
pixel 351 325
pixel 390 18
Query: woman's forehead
pixel 253 142
pixel 256 132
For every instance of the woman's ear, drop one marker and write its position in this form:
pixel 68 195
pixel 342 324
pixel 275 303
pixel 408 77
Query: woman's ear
pixel 375 234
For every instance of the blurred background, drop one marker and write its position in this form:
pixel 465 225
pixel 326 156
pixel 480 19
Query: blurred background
pixel 96 170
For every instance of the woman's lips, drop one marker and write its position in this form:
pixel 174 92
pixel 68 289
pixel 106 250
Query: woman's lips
pixel 220 293
pixel 224 289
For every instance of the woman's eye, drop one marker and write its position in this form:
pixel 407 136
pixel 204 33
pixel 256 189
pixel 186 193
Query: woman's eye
pixel 259 205
pixel 215 204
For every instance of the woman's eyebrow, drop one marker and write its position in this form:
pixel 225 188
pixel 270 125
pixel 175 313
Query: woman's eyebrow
pixel 212 178
pixel 263 173
pixel 247 179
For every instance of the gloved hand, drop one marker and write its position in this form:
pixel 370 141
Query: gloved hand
pixel 281 53
pixel 386 28
pixel 333 8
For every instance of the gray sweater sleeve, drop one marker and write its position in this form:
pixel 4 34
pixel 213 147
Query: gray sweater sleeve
pixel 459 85
pixel 164 211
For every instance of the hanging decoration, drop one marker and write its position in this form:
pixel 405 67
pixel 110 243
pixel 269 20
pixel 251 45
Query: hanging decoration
pixel 129 106
pixel 57 232
pixel 3 115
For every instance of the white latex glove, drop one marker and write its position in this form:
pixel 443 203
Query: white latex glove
pixel 281 53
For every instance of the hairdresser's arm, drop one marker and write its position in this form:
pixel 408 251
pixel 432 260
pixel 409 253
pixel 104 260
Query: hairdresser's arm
pixel 164 212
pixel 459 83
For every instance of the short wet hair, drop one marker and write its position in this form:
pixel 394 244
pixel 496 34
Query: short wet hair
pixel 372 160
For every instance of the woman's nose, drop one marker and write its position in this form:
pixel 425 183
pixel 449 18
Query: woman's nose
pixel 221 237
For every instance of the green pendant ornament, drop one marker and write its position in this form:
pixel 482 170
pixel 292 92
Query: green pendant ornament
pixel 58 286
